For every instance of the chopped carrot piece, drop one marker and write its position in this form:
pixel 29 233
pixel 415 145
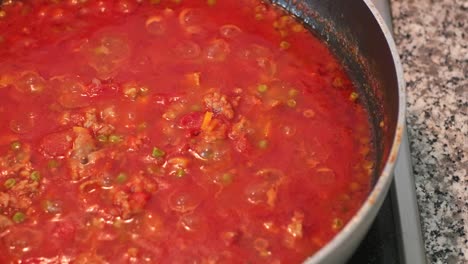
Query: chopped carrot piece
pixel 206 121
pixel 267 129
pixel 271 196
pixel 193 79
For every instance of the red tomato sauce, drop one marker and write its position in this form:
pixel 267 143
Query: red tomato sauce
pixel 173 131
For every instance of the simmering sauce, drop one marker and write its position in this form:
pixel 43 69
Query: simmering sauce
pixel 173 131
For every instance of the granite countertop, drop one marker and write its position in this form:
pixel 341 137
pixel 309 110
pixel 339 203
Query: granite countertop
pixel 431 38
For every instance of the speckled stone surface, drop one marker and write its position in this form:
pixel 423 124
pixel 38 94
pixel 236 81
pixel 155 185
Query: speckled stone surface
pixel 431 36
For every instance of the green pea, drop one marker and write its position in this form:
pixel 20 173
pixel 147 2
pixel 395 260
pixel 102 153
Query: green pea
pixel 157 153
pixel 15 145
pixel 121 177
pixel 293 93
pixel 180 173
pixel 115 138
pixel 52 164
pixel 226 178
pixel 292 103
pixel 262 88
pixel 18 217
pixel 9 183
pixel 263 144
pixel 35 176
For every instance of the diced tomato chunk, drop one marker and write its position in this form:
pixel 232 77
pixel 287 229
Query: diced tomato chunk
pixel 192 122
pixel 57 144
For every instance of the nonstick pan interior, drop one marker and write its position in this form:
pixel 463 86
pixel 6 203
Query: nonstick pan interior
pixel 364 52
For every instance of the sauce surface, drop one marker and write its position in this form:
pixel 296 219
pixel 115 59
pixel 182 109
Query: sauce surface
pixel 173 131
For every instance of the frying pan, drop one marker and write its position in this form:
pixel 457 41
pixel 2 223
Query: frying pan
pixel 360 39
pixel 358 36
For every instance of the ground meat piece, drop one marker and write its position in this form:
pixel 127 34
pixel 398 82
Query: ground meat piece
pixel 17 165
pixel 97 126
pixel 108 115
pixel 137 142
pixel 121 200
pixel 24 187
pixel 295 228
pixel 83 146
pixel 239 128
pixel 94 156
pixel 5 222
pixel 218 130
pixel 91 166
pixel 22 193
pixel 4 199
pixel 132 197
pixel 15 162
pixel 130 204
pixel 239 133
pixel 218 104
pixel 20 196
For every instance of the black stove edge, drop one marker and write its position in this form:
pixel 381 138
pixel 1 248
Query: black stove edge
pixel 404 240
pixel 403 190
pixel 406 208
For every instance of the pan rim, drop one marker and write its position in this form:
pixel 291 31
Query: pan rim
pixel 366 214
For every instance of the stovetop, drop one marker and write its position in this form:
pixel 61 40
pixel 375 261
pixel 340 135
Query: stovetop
pixel 395 236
